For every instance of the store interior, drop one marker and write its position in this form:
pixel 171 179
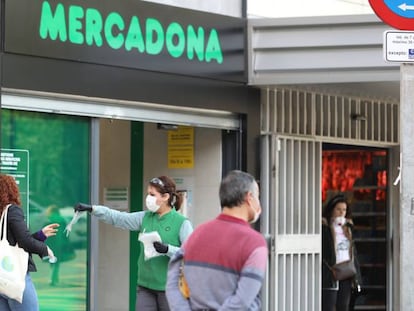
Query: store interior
pixel 361 174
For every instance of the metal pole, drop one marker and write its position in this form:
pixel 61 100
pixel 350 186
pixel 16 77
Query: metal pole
pixel 406 187
pixel 94 225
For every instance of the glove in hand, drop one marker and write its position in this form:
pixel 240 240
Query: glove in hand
pixel 161 247
pixel 81 207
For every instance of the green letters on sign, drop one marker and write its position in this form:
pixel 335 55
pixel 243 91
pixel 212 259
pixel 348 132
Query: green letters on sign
pixel 88 26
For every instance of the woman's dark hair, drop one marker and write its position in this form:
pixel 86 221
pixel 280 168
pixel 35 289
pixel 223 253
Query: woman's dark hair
pixel 329 207
pixel 165 184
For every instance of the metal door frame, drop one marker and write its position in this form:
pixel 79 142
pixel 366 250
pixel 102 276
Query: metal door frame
pixel 292 221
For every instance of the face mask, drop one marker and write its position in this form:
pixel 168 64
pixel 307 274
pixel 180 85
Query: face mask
pixel 151 203
pixel 256 216
pixel 340 221
pixel 256 212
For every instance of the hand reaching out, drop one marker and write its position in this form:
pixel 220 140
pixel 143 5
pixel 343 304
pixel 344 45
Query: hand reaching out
pixel 81 207
pixel 50 230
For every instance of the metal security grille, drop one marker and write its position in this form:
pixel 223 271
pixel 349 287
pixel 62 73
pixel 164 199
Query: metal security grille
pixel 298 112
pixel 291 200
pixel 294 125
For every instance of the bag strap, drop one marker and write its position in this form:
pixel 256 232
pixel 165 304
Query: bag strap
pixel 351 242
pixel 351 254
pixel 182 282
pixel 329 267
pixel 3 222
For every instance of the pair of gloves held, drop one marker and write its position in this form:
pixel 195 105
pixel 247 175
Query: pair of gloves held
pixel 159 247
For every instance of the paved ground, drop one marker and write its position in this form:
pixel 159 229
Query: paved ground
pixel 70 293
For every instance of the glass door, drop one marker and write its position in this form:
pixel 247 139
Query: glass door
pixel 51 153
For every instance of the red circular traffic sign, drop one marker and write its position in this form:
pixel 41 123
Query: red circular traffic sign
pixel 389 17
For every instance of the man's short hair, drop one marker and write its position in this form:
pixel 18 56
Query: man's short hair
pixel 233 188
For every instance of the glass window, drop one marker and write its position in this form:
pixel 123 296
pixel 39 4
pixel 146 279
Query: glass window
pixel 57 149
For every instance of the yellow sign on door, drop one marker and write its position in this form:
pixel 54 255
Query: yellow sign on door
pixel 181 147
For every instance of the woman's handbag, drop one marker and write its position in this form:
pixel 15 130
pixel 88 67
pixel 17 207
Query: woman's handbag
pixel 343 270
pixel 13 265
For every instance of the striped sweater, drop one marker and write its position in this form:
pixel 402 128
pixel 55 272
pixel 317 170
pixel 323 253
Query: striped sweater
pixel 225 263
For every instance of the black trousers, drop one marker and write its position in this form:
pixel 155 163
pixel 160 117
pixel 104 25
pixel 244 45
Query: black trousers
pixel 337 300
pixel 151 300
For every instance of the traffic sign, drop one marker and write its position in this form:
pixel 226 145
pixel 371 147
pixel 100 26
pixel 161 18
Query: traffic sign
pixel 399 46
pixel 396 13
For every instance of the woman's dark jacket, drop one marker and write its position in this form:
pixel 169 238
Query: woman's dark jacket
pixel 17 232
pixel 329 254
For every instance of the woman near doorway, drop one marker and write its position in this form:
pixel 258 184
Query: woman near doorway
pixel 18 233
pixel 337 246
pixel 160 219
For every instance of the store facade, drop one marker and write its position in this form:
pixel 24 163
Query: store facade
pixel 93 93
pixel 326 131
pixel 96 99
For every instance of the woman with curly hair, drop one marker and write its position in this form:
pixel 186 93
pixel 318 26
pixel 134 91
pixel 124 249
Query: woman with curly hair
pixel 17 232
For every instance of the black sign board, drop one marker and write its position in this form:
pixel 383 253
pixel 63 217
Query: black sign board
pixel 129 33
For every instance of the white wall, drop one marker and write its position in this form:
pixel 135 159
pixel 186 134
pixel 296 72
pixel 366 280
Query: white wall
pixel 203 179
pixel 298 8
pixel 224 7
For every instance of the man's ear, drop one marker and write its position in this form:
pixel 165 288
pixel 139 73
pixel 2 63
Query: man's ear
pixel 249 197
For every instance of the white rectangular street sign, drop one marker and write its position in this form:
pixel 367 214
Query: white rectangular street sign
pixel 399 46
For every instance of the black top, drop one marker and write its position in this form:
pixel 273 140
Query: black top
pixel 17 232
pixel 329 254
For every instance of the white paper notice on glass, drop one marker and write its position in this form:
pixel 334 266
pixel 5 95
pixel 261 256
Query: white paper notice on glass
pixel 148 238
pixel 116 198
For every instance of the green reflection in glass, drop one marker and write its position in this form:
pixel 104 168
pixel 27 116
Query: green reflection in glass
pixel 59 177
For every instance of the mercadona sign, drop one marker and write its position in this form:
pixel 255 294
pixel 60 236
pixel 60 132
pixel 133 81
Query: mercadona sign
pixel 88 26
pixel 128 33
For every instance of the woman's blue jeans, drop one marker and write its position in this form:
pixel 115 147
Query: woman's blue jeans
pixel 29 303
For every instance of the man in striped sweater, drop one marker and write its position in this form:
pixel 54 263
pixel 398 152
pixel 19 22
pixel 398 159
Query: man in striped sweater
pixel 224 259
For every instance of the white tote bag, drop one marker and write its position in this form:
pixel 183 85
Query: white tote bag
pixel 13 265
